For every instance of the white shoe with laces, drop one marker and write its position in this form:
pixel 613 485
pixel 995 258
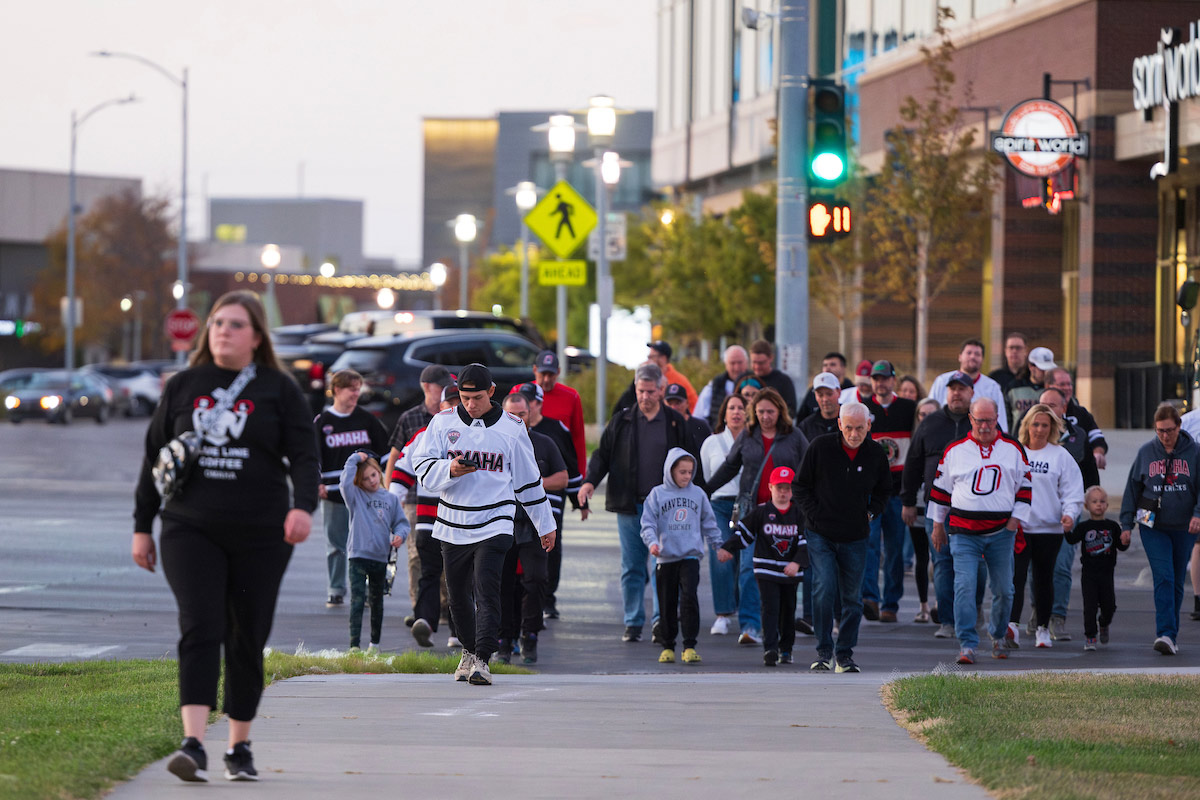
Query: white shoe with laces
pixel 720 626
pixel 465 665
pixel 453 642
pixel 1166 646
pixel 1043 637
pixel 480 674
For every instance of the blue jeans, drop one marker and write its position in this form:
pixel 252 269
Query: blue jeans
pixel 749 600
pixel 888 529
pixel 996 549
pixel 723 576
pixel 1167 552
pixel 837 569
pixel 635 570
pixel 1063 580
pixel 943 578
pixel 337 529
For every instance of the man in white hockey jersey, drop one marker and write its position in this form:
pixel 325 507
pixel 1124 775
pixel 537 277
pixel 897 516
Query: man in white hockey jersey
pixel 981 492
pixel 480 462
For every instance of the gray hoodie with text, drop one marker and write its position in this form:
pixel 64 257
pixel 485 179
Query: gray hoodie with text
pixel 678 518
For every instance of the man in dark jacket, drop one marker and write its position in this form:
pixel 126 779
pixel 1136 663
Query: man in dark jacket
pixel 948 424
pixel 631 453
pixel 762 357
pixel 843 484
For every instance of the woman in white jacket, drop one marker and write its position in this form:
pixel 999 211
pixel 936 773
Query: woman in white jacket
pixel 731 421
pixel 1057 500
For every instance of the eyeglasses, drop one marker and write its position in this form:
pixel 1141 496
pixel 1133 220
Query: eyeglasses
pixel 982 421
pixel 232 324
pixel 1165 431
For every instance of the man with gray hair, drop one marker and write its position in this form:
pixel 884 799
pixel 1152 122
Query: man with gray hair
pixel 631 453
pixel 708 405
pixel 842 484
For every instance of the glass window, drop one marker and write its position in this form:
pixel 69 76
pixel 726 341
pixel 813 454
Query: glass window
pixel 680 63
pixel 452 354
pixel 857 33
pixel 887 27
pixel 662 121
pixel 511 353
pixel 766 58
pixel 920 16
pixel 702 101
pixel 735 67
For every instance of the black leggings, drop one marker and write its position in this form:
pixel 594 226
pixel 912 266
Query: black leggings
pixel 1041 549
pixel 554 568
pixel 920 543
pixel 225 578
pixel 367 578
pixel 522 596
pixel 473 581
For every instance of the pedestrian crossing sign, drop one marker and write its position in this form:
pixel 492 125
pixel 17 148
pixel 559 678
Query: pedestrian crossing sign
pixel 562 219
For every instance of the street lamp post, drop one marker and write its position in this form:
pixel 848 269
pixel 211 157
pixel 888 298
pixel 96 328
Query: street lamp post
pixel 133 301
pixel 602 124
pixel 561 135
pixel 465 229
pixel 271 258
pixel 437 276
pixel 72 210
pixel 526 196
pixel 182 82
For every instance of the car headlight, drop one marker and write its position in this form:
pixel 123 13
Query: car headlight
pixel 51 402
pixel 12 402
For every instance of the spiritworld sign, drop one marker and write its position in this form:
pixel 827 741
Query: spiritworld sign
pixel 1169 75
pixel 1039 138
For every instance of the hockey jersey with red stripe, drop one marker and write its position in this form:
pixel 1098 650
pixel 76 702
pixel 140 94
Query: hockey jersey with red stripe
pixel 404 478
pixel 978 488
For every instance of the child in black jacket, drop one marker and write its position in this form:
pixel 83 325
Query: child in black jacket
pixel 1101 539
pixel 780 556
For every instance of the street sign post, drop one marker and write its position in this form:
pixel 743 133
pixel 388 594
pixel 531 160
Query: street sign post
pixel 562 273
pixel 562 219
pixel 615 236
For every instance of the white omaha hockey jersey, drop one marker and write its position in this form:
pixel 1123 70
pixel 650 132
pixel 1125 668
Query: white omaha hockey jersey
pixel 977 488
pixel 481 504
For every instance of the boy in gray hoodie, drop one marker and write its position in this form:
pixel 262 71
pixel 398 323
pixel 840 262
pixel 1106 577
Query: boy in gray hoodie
pixel 377 524
pixel 677 519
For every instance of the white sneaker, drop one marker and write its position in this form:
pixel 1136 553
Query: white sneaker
pixel 453 642
pixel 480 674
pixel 1043 637
pixel 720 626
pixel 1058 629
pixel 1012 637
pixel 750 636
pixel 465 665
pixel 944 631
pixel 1166 646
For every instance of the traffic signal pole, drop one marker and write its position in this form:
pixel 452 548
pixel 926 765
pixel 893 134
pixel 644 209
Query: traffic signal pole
pixel 791 236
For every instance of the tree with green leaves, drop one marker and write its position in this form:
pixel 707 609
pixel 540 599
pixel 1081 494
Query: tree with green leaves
pixel 927 212
pixel 500 284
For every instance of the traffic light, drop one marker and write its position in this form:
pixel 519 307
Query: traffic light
pixel 827 162
pixel 828 219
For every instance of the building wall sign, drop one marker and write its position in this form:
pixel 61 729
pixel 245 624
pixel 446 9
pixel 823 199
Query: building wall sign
pixel 1170 75
pixel 1039 138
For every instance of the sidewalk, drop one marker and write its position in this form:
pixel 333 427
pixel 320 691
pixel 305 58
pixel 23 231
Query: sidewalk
pixel 556 736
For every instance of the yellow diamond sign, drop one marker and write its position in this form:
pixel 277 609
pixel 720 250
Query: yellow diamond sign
pixel 563 219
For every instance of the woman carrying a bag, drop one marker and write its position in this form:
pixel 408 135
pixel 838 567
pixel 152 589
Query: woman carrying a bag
pixel 229 524
pixel 770 440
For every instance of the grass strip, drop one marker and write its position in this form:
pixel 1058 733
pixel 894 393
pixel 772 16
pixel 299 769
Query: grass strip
pixel 1060 736
pixel 73 730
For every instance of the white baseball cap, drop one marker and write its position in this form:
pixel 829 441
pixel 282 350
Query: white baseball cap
pixel 826 380
pixel 1042 358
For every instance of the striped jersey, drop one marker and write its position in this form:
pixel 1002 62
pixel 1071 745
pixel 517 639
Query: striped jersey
pixel 404 479
pixel 977 488
pixel 480 504
pixel 778 538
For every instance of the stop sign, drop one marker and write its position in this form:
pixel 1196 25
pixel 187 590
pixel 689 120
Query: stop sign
pixel 182 324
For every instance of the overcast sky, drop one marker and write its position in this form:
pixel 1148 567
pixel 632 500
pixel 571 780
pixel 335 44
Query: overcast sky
pixel 338 87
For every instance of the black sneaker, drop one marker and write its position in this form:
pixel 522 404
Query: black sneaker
pixel 334 601
pixel 190 762
pixel 770 657
pixel 409 620
pixel 550 611
pixel 785 658
pixel 846 664
pixel 656 632
pixel 239 763
pixel 503 652
pixel 822 664
pixel 529 648
pixel 632 634
pixel 804 626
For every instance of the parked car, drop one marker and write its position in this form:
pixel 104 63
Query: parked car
pixel 286 335
pixel 391 365
pixel 50 395
pixel 416 321
pixel 309 362
pixel 13 379
pixel 136 387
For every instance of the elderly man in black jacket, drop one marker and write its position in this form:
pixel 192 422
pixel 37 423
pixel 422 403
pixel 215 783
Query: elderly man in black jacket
pixel 631 453
pixel 843 483
pixel 948 424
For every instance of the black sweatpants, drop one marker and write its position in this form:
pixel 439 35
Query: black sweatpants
pixel 678 603
pixel 554 569
pixel 1099 593
pixel 1041 550
pixel 920 543
pixel 473 581
pixel 428 605
pixel 225 578
pixel 367 577
pixel 522 597
pixel 778 614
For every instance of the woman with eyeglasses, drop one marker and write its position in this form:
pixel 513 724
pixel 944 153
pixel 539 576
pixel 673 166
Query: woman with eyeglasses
pixel 1057 500
pixel 1161 496
pixel 227 534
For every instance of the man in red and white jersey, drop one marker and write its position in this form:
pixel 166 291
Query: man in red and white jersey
pixel 981 493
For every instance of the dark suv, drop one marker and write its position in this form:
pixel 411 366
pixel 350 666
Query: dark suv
pixel 391 365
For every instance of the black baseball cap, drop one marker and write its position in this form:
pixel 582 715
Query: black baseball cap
pixel 450 393
pixel 660 346
pixel 475 378
pixel 436 373
pixel 960 377
pixel 547 361
pixel 530 391
pixel 675 391
pixel 883 369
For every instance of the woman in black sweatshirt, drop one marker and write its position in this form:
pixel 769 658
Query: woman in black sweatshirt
pixel 228 533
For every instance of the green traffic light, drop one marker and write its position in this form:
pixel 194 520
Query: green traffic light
pixel 828 166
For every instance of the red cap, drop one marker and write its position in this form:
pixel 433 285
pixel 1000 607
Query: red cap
pixel 781 475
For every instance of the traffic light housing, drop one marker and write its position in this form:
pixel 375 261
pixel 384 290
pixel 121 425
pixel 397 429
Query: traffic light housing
pixel 828 219
pixel 827 161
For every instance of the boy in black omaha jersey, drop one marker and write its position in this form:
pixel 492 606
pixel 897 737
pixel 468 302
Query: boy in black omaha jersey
pixel 1101 539
pixel 780 558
